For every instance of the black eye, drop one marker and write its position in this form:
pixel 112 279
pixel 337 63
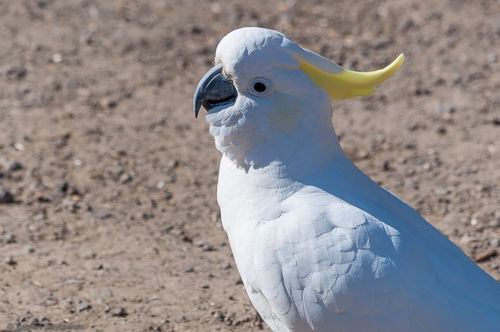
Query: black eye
pixel 259 87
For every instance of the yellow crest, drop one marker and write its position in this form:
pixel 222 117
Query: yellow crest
pixel 341 83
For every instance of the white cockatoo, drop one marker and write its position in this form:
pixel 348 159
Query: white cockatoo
pixel 318 244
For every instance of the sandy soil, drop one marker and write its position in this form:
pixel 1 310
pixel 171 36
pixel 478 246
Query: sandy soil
pixel 108 217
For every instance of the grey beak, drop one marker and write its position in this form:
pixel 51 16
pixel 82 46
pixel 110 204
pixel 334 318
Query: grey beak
pixel 214 89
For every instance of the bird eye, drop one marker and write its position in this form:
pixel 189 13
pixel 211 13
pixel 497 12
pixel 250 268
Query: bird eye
pixel 260 86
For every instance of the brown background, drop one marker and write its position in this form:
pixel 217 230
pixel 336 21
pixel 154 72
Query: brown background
pixel 114 223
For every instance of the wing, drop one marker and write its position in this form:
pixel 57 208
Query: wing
pixel 326 265
pixel 322 258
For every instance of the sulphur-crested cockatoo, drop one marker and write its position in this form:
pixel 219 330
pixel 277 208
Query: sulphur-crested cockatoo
pixel 319 245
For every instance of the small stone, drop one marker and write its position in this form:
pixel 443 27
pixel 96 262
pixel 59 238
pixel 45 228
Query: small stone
pixel 125 178
pixel 118 312
pixel 444 108
pixel 44 320
pixel 207 247
pixel 386 165
pixel 406 24
pixel 62 185
pixel 215 216
pixel 15 72
pixel 83 305
pixel 28 249
pixel 160 185
pixel 35 322
pixel 10 261
pixel 12 166
pixel 362 154
pixel 441 130
pixel 218 316
pixel 173 163
pixel 19 146
pixel 10 238
pixel 57 58
pixel 205 286
pixel 495 242
pixel 6 197
pixel 410 146
pixel 102 214
pixel 226 266
pixel 189 269
pixel 108 103
pixel 49 301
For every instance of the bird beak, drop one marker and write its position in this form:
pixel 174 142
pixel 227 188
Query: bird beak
pixel 214 90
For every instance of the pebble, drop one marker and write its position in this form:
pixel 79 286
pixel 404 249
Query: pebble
pixel 19 146
pixel 57 58
pixel 49 301
pixel 10 238
pixel 219 316
pixel 442 108
pixel 200 243
pixel 15 72
pixel 28 249
pixel 102 214
pixel 12 166
pixel 406 24
pixel 6 197
pixel 386 166
pixel 10 261
pixel 160 184
pixel 207 247
pixel 125 178
pixel 441 130
pixel 362 154
pixel 118 312
pixel 495 242
pixel 62 185
pixel 83 305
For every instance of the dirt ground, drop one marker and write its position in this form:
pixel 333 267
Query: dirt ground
pixel 108 216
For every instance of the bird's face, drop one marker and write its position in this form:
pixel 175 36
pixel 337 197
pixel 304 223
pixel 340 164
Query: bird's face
pixel 266 93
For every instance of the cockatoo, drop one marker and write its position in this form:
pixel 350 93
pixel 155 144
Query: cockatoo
pixel 318 244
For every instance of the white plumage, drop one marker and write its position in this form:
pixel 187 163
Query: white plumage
pixel 318 244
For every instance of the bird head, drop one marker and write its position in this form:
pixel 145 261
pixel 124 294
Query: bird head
pixel 268 99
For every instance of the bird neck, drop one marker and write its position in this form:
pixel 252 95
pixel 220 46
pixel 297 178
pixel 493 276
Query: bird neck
pixel 284 158
pixel 294 151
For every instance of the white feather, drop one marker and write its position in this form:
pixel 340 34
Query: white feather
pixel 319 245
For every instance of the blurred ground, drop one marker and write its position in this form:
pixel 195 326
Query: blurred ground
pixel 108 215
